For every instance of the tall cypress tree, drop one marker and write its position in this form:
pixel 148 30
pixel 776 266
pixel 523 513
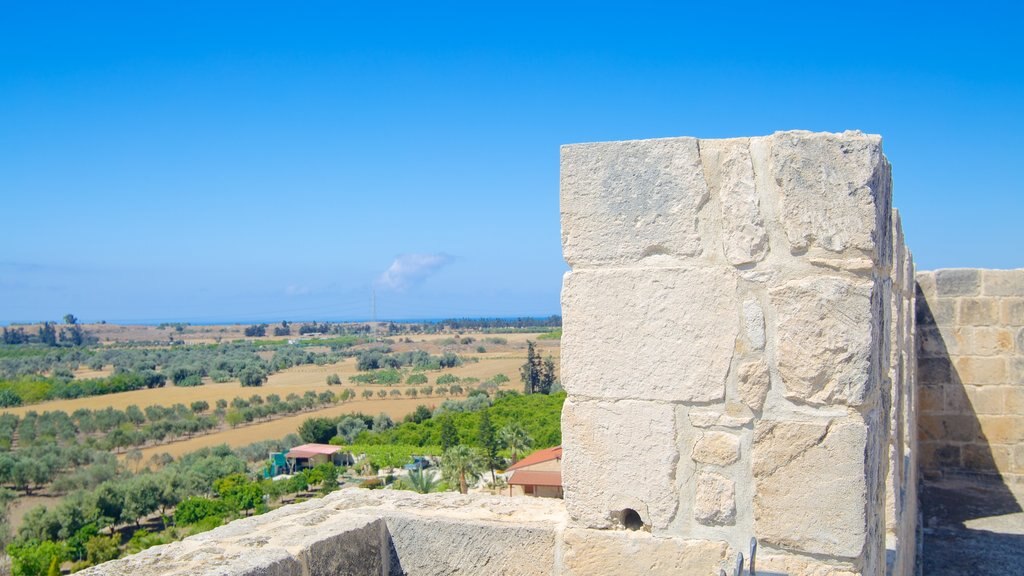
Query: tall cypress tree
pixel 488 441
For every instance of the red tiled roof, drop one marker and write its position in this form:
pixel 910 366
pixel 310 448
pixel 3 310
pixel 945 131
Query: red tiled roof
pixel 307 450
pixel 537 457
pixel 536 478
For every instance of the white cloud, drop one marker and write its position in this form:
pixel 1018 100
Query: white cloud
pixel 297 290
pixel 411 269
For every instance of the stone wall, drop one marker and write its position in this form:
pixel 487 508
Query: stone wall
pixel 735 336
pixel 971 371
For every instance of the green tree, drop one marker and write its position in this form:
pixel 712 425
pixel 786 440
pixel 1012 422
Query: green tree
pixel 350 427
pixel 516 439
pixel 449 434
pixel 33 558
pixel 461 463
pixel 333 380
pixel 422 481
pixel 99 549
pixel 252 377
pixel 317 430
pixel 488 442
pixel 70 319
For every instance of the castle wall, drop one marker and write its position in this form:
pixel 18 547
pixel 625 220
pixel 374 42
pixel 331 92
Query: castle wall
pixel 733 332
pixel 971 371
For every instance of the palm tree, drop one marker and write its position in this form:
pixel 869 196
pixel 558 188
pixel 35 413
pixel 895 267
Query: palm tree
pixel 422 481
pixel 461 462
pixel 516 439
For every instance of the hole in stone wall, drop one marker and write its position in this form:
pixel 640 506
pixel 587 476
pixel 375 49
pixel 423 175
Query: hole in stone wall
pixel 630 519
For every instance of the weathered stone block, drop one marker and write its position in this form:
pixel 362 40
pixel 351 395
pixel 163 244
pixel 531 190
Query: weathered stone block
pixel 1003 282
pixel 589 552
pixel 802 468
pixel 441 546
pixel 753 321
pixel 977 370
pixel 987 341
pixel 823 339
pixel 632 444
pixel 1012 312
pixel 934 371
pixel 663 334
pixel 1000 429
pixel 957 282
pixel 936 311
pixel 930 342
pixel 732 415
pixel 931 399
pixel 730 176
pixel 979 311
pixel 833 188
pixel 623 202
pixel 987 457
pixel 753 383
pixel 719 448
pixel 714 502
pixel 802 566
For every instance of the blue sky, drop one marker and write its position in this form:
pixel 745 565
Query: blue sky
pixel 265 160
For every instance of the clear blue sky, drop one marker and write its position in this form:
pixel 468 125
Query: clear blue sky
pixel 247 161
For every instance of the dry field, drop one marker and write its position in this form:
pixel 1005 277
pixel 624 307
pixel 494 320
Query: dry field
pixel 504 359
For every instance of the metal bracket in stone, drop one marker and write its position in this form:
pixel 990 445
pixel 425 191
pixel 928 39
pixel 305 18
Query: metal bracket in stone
pixel 738 570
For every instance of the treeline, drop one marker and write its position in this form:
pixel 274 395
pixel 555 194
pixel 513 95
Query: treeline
pixel 47 335
pixel 416 359
pixel 112 429
pixel 30 374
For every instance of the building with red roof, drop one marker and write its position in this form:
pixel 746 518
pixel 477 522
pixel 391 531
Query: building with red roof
pixel 539 474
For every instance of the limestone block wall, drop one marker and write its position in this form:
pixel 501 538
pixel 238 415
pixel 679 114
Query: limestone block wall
pixel 971 370
pixel 729 346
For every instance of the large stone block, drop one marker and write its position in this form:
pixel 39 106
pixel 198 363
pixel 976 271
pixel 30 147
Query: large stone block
pixel 835 190
pixel 730 176
pixel 632 444
pixel 626 201
pixel 958 282
pixel 804 468
pixel 661 334
pixel 823 339
pixel 979 311
pixel 1003 283
pixel 441 546
pixel 591 552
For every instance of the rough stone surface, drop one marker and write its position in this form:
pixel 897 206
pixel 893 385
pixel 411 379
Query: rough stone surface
pixel 589 553
pixel 643 334
pixel 753 384
pixel 714 499
pixel 623 202
pixel 800 468
pixel 823 339
pixel 831 187
pixel 802 566
pixel 604 433
pixel 719 448
pixel 730 176
pixel 754 323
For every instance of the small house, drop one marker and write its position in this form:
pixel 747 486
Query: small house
pixel 539 474
pixel 309 455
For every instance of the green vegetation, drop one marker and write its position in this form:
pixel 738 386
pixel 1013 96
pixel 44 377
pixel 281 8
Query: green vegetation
pixel 538 376
pixel 555 334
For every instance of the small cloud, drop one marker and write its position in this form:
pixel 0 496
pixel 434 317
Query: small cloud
pixel 411 269
pixel 296 290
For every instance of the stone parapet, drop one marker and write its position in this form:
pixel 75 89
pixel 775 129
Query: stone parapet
pixel 358 532
pixel 734 329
